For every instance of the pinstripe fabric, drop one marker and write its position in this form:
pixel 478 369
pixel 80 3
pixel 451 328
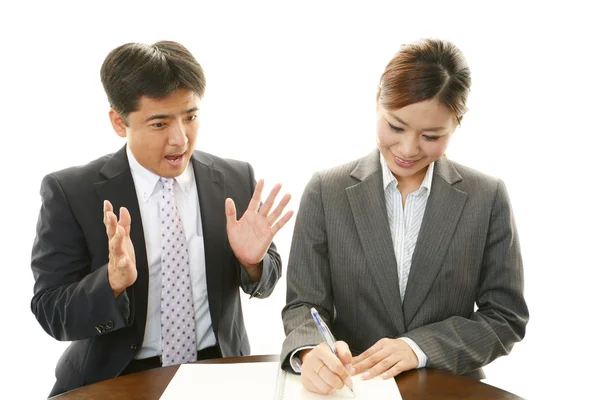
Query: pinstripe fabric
pixel 467 256
pixel 405 222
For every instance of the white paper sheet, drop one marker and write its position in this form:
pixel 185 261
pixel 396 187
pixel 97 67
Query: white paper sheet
pixel 247 381
pixel 258 381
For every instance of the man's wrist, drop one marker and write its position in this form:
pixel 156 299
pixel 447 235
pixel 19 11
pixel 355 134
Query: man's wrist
pixel 254 271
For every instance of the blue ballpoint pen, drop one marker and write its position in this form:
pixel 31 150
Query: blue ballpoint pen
pixel 327 335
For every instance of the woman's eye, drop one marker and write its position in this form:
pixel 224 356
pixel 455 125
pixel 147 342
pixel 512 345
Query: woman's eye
pixel 396 128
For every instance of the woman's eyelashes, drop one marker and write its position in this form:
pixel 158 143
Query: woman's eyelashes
pixel 399 129
pixel 396 128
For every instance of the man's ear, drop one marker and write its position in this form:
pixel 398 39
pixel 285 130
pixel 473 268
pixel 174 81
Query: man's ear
pixel 118 123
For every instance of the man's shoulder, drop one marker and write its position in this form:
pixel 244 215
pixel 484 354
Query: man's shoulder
pixel 81 174
pixel 226 165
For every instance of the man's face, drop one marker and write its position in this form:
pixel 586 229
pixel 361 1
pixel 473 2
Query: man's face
pixel 162 133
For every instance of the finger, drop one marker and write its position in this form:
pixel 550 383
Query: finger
pixel 312 364
pixel 309 384
pixel 344 354
pixel 255 200
pixel 314 383
pixel 230 212
pixel 125 220
pixel 275 228
pixel 279 209
pixel 400 367
pixel 123 262
pixel 334 365
pixel 110 221
pixel 266 207
pixel 370 361
pixel 117 241
pixel 330 378
pixel 367 353
pixel 107 206
pixel 380 367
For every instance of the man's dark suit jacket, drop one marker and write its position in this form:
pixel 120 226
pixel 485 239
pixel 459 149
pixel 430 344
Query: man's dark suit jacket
pixel 72 298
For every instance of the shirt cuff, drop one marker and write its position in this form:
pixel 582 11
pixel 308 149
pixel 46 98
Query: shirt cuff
pixel 295 362
pixel 421 357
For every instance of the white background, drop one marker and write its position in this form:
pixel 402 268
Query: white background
pixel 291 89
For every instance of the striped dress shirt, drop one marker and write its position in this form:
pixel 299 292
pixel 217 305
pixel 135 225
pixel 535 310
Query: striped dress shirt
pixel 405 223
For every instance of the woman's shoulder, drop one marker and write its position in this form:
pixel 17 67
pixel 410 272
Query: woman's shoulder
pixel 471 177
pixel 352 170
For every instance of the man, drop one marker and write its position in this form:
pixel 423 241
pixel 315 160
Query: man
pixel 159 285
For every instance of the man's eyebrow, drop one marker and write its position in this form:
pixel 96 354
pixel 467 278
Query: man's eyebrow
pixel 157 116
pixel 165 116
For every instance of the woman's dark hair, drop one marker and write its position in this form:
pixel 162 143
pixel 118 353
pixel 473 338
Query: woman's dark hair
pixel 425 70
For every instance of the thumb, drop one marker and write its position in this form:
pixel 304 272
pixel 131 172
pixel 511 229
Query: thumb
pixel 343 353
pixel 230 211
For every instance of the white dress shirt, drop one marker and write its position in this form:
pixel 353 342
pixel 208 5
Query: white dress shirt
pixel 405 223
pixel 149 190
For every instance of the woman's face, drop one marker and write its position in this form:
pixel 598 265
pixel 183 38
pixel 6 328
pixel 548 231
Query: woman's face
pixel 413 137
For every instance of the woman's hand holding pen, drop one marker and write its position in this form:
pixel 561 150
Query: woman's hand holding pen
pixel 387 357
pixel 323 371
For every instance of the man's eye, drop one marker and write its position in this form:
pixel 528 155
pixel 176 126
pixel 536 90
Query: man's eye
pixel 192 118
pixel 431 138
pixel 159 125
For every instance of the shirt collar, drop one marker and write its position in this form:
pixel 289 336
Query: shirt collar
pixel 146 181
pixel 389 178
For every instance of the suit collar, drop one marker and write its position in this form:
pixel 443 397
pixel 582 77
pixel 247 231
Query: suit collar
pixel 367 203
pixel 211 186
pixel 444 209
pixel 445 170
pixel 367 166
pixel 119 189
pixel 116 164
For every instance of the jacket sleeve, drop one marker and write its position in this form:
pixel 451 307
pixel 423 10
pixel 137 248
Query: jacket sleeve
pixel 308 275
pixel 70 301
pixel 460 344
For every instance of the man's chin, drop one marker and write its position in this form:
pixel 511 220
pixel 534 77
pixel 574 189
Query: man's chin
pixel 171 171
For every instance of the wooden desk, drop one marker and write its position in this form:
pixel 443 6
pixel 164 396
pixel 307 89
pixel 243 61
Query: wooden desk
pixel 422 384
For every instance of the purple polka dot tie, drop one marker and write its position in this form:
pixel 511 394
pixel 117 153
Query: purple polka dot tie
pixel 178 328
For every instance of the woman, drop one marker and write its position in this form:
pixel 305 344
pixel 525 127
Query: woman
pixel 396 250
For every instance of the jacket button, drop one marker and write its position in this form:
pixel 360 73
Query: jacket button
pixel 134 347
pixel 109 324
pixel 100 328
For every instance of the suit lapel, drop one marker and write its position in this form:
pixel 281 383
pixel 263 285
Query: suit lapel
pixel 210 183
pixel 368 208
pixel 119 189
pixel 444 208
